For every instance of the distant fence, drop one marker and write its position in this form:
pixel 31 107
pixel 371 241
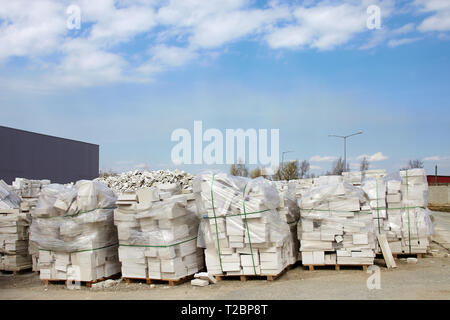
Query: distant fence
pixel 439 196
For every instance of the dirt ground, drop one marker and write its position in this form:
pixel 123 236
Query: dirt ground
pixel 428 279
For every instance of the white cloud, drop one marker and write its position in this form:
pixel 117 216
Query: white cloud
pixel 315 167
pixel 374 157
pixel 179 32
pixel 437 158
pixel 322 159
pixel 398 42
pixel 439 20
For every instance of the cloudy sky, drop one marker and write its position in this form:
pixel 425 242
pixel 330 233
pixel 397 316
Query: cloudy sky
pixel 136 70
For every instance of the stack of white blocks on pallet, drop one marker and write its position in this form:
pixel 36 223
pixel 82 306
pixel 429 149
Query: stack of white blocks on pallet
pixel 289 212
pixel 158 229
pixel 30 190
pixel 14 226
pixel 357 177
pixel 333 229
pixel 416 221
pixel 74 229
pixel 399 210
pixel 240 227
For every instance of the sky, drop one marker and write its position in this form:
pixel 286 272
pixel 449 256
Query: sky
pixel 135 70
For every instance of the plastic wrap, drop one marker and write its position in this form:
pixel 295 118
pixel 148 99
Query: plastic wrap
pixel 240 227
pixel 74 218
pixel 333 228
pixel 158 230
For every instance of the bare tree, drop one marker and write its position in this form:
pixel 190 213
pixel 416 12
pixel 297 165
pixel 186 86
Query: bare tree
pixel 239 169
pixel 288 171
pixel 364 166
pixel 255 173
pixel 338 168
pixel 413 164
pixel 304 169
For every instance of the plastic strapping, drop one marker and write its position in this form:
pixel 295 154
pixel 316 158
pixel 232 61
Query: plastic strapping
pixel 378 208
pixel 215 221
pixel 409 223
pixel 248 231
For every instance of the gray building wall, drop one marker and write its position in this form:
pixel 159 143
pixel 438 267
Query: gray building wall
pixel 37 156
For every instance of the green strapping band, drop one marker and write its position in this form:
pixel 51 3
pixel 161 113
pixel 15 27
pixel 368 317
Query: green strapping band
pixel 409 223
pixel 378 208
pixel 85 250
pixel 160 246
pixel 215 220
pixel 248 230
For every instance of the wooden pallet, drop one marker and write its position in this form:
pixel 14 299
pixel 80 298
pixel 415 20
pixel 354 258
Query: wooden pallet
pixel 244 278
pixel 171 282
pixel 86 283
pixel 337 267
pixel 403 255
pixel 16 270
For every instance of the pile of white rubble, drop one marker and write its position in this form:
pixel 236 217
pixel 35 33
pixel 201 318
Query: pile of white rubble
pixel 134 180
pixel 158 229
pixel 74 229
pixel 14 226
pixel 240 228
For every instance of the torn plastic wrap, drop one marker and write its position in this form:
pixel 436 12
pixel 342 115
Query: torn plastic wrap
pixel 74 218
pixel 240 228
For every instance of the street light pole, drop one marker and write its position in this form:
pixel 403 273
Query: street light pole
pixel 345 145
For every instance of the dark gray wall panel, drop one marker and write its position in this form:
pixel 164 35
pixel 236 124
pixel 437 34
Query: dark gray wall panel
pixel 36 156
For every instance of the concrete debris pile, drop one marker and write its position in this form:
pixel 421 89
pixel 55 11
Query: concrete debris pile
pixel 333 228
pixel 357 177
pixel 240 228
pixel 74 229
pixel 158 229
pixel 289 212
pixel 134 180
pixel 29 188
pixel 14 226
pixel 398 205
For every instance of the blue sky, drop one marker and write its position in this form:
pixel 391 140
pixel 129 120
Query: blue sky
pixel 137 70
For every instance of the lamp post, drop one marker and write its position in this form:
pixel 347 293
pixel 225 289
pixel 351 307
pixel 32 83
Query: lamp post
pixel 282 160
pixel 345 145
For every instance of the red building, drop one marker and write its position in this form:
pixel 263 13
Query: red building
pixel 433 180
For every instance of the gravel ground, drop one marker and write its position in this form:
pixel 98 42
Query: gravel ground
pixel 428 279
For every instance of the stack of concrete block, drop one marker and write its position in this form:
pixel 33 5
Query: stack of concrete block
pixel 73 226
pixel 14 226
pixel 357 177
pixel 333 229
pixel 158 229
pixel 416 222
pixel 241 230
pixel 289 212
pixel 302 186
pixel 398 204
pixel 26 188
